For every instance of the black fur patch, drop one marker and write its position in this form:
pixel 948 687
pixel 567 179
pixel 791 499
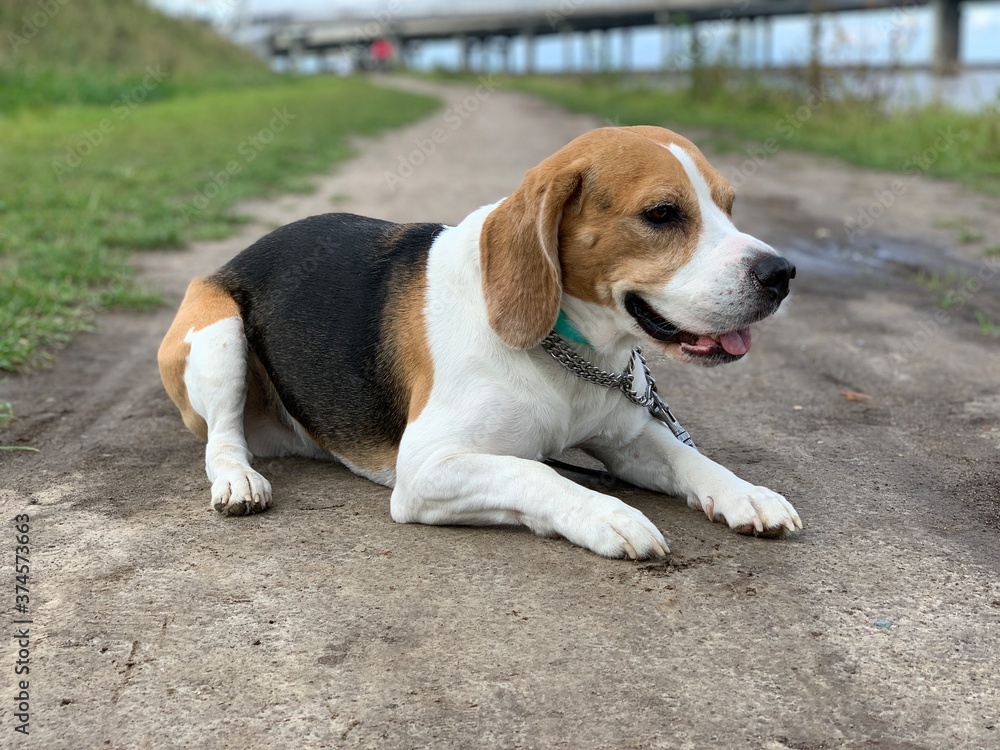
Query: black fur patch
pixel 314 296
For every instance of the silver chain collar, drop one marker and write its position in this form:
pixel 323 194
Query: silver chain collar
pixel 650 400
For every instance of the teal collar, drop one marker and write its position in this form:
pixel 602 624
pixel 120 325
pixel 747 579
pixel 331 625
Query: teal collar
pixel 565 329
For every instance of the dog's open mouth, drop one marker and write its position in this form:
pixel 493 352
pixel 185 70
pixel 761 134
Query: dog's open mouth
pixel 726 346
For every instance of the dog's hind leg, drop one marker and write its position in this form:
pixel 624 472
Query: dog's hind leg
pixel 216 379
pixel 203 363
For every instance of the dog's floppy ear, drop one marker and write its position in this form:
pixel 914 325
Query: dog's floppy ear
pixel 519 254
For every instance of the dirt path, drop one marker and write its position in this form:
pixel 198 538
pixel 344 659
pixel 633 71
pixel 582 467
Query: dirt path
pixel 158 624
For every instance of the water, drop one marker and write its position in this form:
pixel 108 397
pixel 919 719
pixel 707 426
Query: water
pixel 970 90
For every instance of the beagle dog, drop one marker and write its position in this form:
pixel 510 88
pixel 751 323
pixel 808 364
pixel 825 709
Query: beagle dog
pixel 411 352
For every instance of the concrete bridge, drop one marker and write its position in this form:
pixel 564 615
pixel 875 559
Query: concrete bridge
pixel 485 31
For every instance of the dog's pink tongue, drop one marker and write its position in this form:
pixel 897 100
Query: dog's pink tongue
pixel 736 343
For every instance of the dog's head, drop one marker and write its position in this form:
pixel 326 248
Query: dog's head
pixel 636 223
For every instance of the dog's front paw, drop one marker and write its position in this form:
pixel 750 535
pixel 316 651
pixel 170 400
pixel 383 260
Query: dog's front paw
pixel 240 492
pixel 613 529
pixel 751 510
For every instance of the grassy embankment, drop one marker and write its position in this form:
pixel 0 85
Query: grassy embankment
pixel 126 148
pixel 90 51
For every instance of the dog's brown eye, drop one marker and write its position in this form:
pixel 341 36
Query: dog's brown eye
pixel 662 213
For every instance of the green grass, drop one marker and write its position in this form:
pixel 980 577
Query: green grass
pixel 959 292
pixel 968 236
pixel 931 140
pixel 957 222
pixel 947 287
pixel 987 326
pixel 74 199
pixel 89 51
pixel 964 233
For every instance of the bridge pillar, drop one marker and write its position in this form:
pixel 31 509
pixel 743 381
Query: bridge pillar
pixel 601 59
pixel 736 42
pixel 399 58
pixel 567 36
pixel 408 53
pixel 497 58
pixel 464 44
pixel 295 54
pixel 695 47
pixel 815 47
pixel 947 18
pixel 767 56
pixel 626 63
pixel 483 47
pixel 529 53
pixel 508 58
pixel 591 51
pixel 603 48
pixel 666 38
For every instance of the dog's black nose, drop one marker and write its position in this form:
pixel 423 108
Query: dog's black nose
pixel 774 272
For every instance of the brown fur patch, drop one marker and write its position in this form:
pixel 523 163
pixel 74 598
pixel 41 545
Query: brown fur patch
pixel 408 350
pixel 204 304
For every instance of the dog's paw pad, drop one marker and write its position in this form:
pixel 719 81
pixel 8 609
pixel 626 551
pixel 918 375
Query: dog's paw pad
pixel 240 493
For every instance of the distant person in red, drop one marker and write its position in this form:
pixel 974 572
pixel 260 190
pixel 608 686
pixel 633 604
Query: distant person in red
pixel 381 53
